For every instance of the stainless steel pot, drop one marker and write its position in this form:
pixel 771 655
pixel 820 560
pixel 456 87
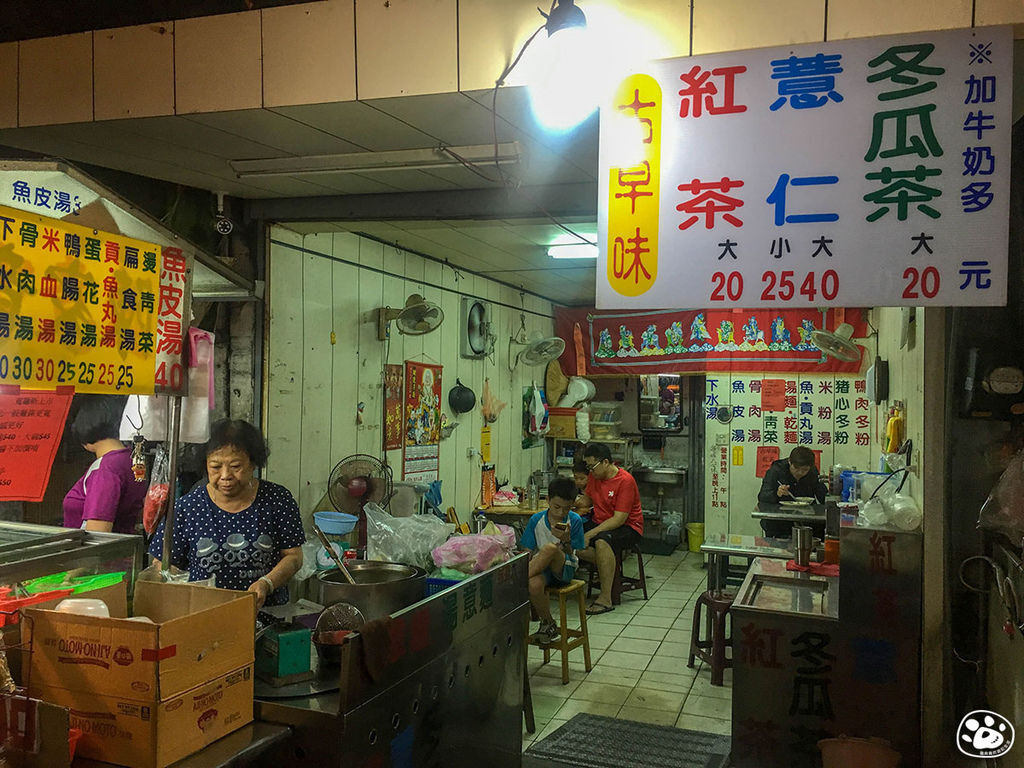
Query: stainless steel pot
pixel 380 589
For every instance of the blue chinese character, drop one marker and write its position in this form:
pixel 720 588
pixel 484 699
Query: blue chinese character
pixel 979 161
pixel 737 435
pixel 976 196
pixel 980 90
pixel 22 192
pixel 737 386
pixel 806 82
pixel 976 271
pixel 778 199
pixel 42 197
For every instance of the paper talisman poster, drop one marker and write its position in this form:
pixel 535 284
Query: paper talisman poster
pixel 420 448
pixel 392 407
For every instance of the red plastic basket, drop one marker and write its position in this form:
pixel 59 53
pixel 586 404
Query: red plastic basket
pixel 9 606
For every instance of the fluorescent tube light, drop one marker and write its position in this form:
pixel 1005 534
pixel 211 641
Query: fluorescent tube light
pixel 377 162
pixel 573 251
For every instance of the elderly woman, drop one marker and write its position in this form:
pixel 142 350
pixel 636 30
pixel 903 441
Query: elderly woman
pixel 243 531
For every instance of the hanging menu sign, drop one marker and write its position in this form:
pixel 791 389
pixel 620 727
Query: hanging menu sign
pixel 79 307
pixel 31 426
pixel 849 173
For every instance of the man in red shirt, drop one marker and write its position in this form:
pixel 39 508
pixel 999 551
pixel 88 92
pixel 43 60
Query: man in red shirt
pixel 617 522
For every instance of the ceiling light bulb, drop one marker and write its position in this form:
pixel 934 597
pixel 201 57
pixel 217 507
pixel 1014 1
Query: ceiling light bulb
pixel 564 15
pixel 573 251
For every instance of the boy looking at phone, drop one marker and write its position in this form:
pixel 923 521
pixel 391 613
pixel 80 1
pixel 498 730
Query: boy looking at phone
pixel 552 535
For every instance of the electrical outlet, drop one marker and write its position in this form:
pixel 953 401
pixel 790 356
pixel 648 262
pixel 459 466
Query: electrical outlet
pixel 471 453
pixel 722 439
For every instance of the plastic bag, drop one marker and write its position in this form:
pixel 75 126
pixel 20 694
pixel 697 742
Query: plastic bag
pixel 309 552
pixel 473 553
pixel 408 540
pixel 1003 510
pixel 155 505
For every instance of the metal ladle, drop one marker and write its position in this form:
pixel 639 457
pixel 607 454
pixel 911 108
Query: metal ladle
pixel 334 555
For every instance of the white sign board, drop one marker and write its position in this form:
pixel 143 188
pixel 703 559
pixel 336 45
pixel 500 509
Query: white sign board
pixel 871 172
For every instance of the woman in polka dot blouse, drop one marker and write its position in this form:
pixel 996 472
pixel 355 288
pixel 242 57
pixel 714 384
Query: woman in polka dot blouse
pixel 243 531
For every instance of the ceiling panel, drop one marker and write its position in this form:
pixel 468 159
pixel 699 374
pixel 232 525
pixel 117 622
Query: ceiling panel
pixel 273 129
pixel 360 124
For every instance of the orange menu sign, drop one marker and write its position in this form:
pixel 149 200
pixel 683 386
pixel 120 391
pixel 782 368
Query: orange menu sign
pixel 31 425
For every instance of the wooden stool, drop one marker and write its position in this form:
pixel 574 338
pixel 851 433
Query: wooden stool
pixel 570 638
pixel 718 610
pixel 621 583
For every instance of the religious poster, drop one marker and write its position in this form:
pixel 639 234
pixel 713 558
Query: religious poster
pixel 31 426
pixel 421 446
pixel 392 407
pixel 100 312
pixel 862 172
pixel 702 340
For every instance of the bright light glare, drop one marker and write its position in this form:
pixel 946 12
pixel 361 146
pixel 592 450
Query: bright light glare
pixel 624 137
pixel 574 72
pixel 573 251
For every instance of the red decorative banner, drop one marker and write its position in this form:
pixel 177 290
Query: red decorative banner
pixel 420 448
pixel 703 340
pixel 31 425
pixel 392 407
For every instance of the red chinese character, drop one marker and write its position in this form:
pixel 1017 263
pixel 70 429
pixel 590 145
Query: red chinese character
pixel 790 387
pixel 886 606
pixel 109 287
pixel 709 202
pixel 860 404
pixel 881 554
pixel 862 438
pixel 108 313
pixel 51 238
pixel 46 330
pixel 48 287
pixel 170 301
pixel 111 251
pixel 637 251
pixel 862 421
pixel 791 401
pixel 169 332
pixel 789 437
pixel 635 106
pixel 175 264
pixel 699 91
pixel 759 647
pixel 108 338
pixel 640 176
pixel 790 422
pixel 860 386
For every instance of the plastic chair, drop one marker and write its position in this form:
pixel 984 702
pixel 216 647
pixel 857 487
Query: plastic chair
pixel 712 649
pixel 621 582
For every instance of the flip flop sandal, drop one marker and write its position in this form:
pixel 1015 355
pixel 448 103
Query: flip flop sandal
pixel 596 609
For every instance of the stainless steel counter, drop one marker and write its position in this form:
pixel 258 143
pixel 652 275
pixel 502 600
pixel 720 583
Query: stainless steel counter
pixel 770 588
pixel 449 694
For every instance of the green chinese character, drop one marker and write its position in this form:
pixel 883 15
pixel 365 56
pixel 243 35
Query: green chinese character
pixel 149 261
pixel 903 188
pixel 23 331
pixel 26 282
pixel 92 249
pixel 147 300
pixel 28 233
pixel 90 292
pixel 905 66
pixel 922 143
pixel 145 341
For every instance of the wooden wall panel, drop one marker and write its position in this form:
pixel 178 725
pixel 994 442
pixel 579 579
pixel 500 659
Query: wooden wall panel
pixel 217 63
pixel 406 48
pixel 309 53
pixel 867 18
pixel 313 388
pixel 8 85
pixel 55 80
pixel 134 71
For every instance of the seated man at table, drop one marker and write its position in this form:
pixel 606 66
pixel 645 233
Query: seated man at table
pixel 617 522
pixel 787 479
pixel 552 535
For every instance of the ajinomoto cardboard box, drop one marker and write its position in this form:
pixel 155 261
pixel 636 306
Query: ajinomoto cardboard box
pixel 155 734
pixel 199 634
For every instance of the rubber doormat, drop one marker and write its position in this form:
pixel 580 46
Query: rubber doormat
pixel 594 741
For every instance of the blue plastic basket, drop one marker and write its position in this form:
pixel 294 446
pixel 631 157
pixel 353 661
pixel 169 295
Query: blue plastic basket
pixel 435 585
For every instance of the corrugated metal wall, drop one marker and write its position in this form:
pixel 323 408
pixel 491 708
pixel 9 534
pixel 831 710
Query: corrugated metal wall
pixel 336 282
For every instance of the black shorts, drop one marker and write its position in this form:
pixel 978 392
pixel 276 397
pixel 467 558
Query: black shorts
pixel 619 538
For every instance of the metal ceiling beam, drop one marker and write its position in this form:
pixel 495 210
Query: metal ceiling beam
pixel 556 200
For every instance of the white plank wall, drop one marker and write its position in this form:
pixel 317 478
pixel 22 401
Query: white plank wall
pixel 336 282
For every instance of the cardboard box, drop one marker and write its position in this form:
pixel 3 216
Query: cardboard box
pixel 155 734
pixel 200 634
pixel 562 422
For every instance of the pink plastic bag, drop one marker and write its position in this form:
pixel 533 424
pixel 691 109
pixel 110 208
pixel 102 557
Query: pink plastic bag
pixel 475 552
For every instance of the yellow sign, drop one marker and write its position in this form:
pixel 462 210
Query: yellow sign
pixel 485 445
pixel 79 307
pixel 633 197
pixel 737 455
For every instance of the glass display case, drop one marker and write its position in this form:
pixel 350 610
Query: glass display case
pixel 660 403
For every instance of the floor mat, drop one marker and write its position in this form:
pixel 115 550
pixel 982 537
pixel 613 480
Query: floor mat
pixel 594 741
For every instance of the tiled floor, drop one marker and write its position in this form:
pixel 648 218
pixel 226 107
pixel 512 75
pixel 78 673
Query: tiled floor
pixel 639 655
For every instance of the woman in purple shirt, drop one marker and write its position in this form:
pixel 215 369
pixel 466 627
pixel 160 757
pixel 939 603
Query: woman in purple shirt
pixel 107 498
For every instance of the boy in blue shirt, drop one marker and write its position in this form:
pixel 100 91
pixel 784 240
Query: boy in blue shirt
pixel 552 536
